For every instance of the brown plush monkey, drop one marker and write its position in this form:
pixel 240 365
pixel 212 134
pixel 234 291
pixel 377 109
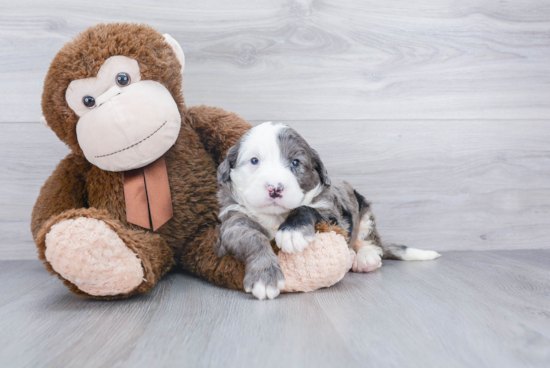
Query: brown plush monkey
pixel 137 194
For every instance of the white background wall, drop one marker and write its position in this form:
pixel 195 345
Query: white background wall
pixel 437 111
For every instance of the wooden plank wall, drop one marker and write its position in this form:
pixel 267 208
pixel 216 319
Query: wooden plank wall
pixel 436 110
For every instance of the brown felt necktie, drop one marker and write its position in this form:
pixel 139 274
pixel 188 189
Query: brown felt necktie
pixel 147 195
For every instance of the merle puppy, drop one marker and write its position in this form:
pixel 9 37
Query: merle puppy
pixel 273 185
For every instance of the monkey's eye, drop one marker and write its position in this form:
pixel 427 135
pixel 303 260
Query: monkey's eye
pixel 88 101
pixel 295 163
pixel 122 79
pixel 254 161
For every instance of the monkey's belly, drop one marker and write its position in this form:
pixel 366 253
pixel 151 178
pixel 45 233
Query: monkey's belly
pixel 193 187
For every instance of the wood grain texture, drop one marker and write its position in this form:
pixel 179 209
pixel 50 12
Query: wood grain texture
pixel 466 309
pixel 305 59
pixel 442 185
pixel 29 154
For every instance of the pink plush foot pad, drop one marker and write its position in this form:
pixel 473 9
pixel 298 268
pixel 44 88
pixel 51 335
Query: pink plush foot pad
pixel 92 256
pixel 322 264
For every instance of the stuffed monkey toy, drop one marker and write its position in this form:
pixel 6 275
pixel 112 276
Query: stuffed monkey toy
pixel 137 194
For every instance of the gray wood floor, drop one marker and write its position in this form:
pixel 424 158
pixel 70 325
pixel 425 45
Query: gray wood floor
pixel 466 309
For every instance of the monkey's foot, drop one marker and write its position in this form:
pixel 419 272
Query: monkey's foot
pixel 322 264
pixel 92 256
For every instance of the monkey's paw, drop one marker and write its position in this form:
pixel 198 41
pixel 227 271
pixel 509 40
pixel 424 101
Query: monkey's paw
pixel 92 256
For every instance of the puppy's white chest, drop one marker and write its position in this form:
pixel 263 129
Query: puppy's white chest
pixel 271 223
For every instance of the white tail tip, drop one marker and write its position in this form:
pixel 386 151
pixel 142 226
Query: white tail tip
pixel 414 254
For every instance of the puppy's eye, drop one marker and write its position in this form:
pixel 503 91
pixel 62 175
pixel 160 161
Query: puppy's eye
pixel 122 79
pixel 295 163
pixel 88 101
pixel 254 161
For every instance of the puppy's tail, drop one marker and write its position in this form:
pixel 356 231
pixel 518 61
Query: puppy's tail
pixel 404 253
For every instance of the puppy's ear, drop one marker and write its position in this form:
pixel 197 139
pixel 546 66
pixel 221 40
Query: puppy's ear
pixel 224 170
pixel 320 167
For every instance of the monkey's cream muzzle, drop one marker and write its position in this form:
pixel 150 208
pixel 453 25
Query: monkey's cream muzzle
pixel 129 127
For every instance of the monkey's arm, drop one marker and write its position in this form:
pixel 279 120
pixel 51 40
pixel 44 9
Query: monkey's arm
pixel 217 129
pixel 64 190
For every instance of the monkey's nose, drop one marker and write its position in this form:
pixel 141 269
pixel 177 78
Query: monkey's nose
pixel 107 95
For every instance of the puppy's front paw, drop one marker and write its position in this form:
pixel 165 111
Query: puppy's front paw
pixel 367 260
pixel 292 241
pixel 265 283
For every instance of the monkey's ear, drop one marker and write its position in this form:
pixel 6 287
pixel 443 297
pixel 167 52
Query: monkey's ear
pixel 44 122
pixel 177 49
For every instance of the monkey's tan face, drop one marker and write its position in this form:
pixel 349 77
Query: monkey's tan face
pixel 125 123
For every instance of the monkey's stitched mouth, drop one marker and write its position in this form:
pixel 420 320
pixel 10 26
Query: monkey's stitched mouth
pixel 135 144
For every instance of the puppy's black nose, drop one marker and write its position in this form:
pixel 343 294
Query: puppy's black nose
pixel 275 192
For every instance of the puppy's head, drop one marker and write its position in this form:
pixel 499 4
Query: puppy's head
pixel 272 170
